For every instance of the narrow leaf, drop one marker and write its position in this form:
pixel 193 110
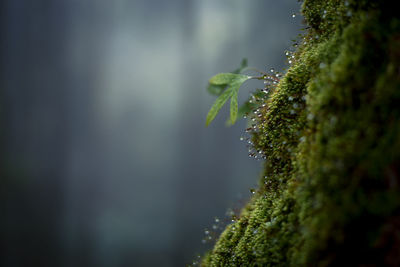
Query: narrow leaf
pixel 234 106
pixel 218 105
pixel 227 78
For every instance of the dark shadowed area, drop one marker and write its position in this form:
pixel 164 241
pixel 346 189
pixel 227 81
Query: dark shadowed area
pixel 105 158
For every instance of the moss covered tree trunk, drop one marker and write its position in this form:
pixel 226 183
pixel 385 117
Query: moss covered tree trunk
pixel 330 191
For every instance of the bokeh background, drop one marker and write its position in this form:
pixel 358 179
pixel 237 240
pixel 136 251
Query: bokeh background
pixel 105 159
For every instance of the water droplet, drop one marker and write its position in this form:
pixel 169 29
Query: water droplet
pixel 272 70
pixel 322 65
pixel 310 116
pixel 292 112
pixel 233 219
pixel 290 98
pixel 293 15
pixel 295 105
pixel 241 138
pixel 253 191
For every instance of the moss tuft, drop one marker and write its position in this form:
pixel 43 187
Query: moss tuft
pixel 330 191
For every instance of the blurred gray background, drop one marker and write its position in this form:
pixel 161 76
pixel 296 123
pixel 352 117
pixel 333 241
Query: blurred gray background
pixel 105 159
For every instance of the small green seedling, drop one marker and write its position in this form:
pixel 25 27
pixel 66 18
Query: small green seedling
pixel 225 86
pixel 232 82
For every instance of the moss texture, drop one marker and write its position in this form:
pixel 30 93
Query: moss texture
pixel 330 191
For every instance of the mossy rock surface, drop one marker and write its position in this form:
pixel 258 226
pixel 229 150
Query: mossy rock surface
pixel 330 190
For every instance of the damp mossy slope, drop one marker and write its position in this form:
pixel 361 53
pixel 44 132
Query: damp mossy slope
pixel 330 190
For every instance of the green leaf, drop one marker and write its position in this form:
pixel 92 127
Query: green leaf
pixel 227 78
pixel 217 89
pixel 234 106
pixel 217 106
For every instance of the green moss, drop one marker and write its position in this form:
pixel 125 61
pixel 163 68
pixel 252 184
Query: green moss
pixel 330 191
